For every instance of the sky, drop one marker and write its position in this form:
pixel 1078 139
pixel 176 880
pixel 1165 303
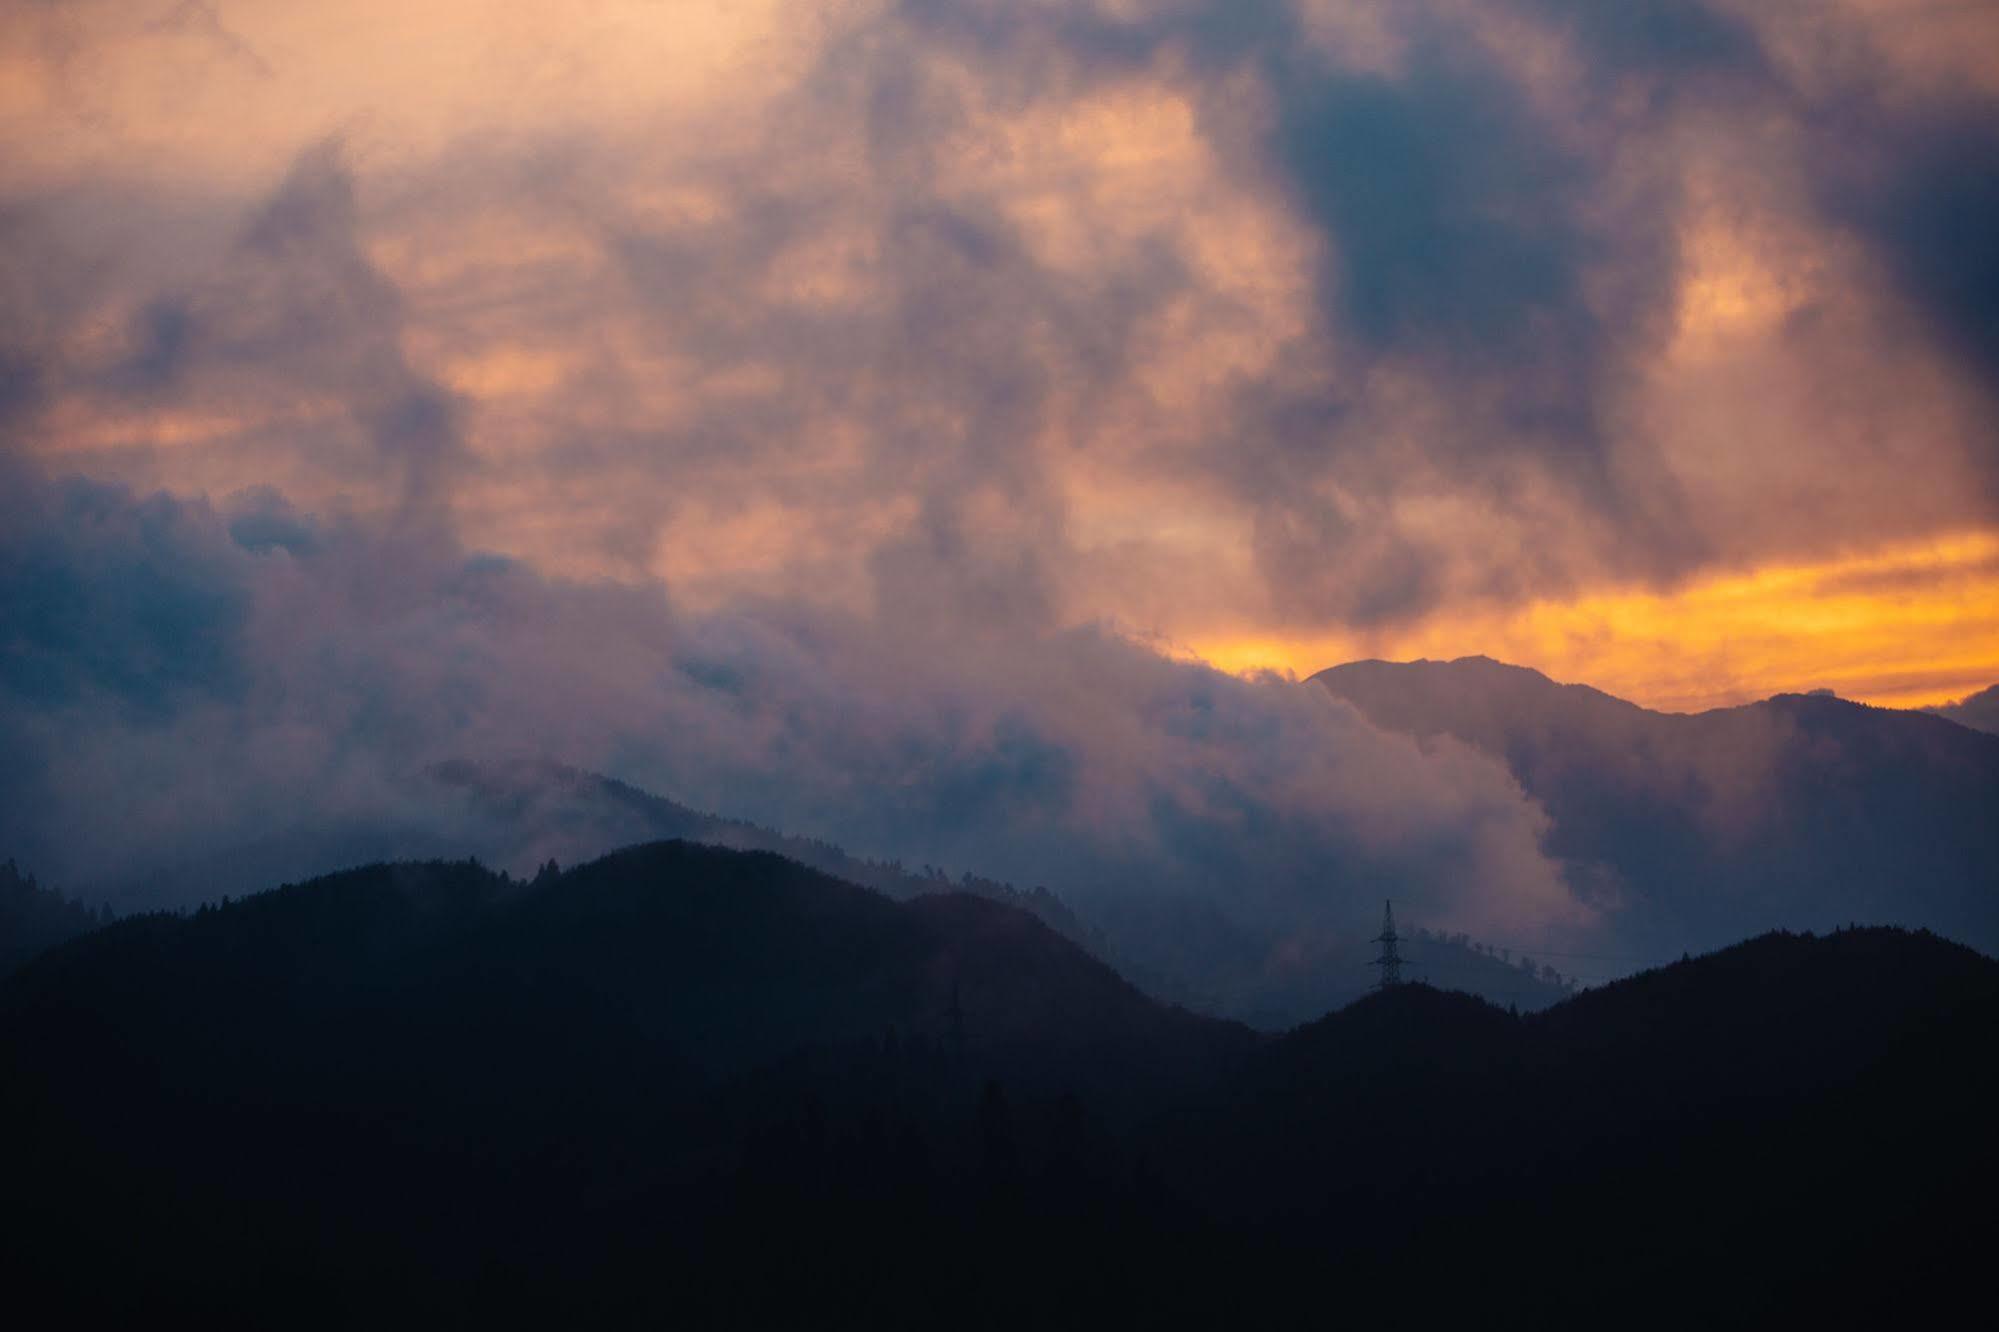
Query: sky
pixel 989 401
pixel 1652 345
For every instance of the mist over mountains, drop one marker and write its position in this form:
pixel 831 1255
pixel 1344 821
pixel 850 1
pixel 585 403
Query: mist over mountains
pixel 201 698
pixel 1186 952
pixel 894 1067
pixel 536 810
pixel 1979 711
pixel 657 663
pixel 1799 812
pixel 206 698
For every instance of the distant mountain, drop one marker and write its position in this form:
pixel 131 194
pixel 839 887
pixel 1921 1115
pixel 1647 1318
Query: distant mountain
pixel 1979 711
pixel 1799 811
pixel 1185 952
pixel 543 809
pixel 521 814
pixel 684 1084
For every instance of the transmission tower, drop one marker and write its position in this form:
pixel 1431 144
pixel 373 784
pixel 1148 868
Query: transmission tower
pixel 1390 960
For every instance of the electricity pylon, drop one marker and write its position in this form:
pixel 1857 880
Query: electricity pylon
pixel 1390 960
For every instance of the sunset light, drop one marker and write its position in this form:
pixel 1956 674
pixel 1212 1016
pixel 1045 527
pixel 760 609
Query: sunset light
pixel 1019 663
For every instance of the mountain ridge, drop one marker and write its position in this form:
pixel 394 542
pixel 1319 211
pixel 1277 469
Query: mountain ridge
pixel 558 802
pixel 512 789
pixel 1979 711
pixel 1798 811
pixel 716 1086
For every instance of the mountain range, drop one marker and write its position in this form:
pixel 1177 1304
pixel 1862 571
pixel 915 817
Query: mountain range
pixel 1184 951
pixel 1979 711
pixel 684 1083
pixel 1679 833
pixel 1799 812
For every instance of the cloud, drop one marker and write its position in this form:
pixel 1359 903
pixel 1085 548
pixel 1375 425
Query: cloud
pixel 134 602
pixel 1979 711
pixel 851 392
pixel 245 690
pixel 1922 187
pixel 1396 310
pixel 1493 399
pixel 1661 37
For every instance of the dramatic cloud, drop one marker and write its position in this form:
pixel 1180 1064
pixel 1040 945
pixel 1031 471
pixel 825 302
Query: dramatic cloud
pixel 1238 323
pixel 199 698
pixel 862 391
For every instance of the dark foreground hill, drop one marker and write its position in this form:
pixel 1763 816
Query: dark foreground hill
pixel 1799 811
pixel 1190 952
pixel 700 1087
pixel 522 813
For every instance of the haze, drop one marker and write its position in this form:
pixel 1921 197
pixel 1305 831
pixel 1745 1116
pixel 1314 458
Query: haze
pixel 955 427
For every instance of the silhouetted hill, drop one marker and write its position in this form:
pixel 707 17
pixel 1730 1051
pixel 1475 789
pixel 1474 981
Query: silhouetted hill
pixel 1782 1016
pixel 1979 711
pixel 1790 1122
pixel 548 810
pixel 1193 954
pixel 724 959
pixel 706 1087
pixel 410 1064
pixel 523 814
pixel 34 919
pixel 1798 812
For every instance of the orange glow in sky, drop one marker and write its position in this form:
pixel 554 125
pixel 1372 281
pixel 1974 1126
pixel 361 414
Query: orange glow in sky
pixel 693 299
pixel 1906 626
